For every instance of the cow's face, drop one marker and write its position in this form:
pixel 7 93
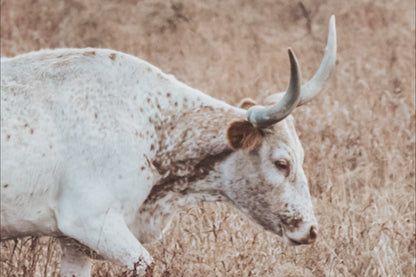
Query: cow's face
pixel 265 179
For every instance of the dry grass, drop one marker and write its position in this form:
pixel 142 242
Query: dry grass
pixel 359 136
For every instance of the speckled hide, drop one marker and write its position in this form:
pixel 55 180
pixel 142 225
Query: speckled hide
pixel 99 148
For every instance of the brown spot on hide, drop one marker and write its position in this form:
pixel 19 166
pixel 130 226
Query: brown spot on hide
pixel 176 104
pixel 142 168
pixel 148 69
pixel 8 137
pixel 243 135
pixel 89 53
pixel 141 109
pixel 96 115
pixel 168 94
pixel 31 131
pixel 113 56
pixel 292 223
pixel 148 100
pixel 152 147
pixel 137 133
pixel 26 125
pixel 5 185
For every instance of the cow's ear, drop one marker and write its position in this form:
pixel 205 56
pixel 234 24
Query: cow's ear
pixel 246 103
pixel 243 135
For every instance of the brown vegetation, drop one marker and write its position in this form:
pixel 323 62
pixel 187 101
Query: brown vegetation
pixel 359 136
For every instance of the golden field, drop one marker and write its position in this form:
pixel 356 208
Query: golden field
pixel 358 136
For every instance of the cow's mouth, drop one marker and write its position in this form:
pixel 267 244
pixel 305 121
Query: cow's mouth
pixel 294 242
pixel 305 240
pixel 287 239
pixel 291 242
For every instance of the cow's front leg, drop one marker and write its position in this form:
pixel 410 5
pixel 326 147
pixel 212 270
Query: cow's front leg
pixel 74 261
pixel 106 233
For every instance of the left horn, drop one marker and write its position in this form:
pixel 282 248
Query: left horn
pixel 262 117
pixel 318 82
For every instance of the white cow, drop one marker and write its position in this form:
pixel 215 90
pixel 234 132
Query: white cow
pixel 99 148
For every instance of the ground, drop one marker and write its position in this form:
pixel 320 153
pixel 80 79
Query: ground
pixel 359 135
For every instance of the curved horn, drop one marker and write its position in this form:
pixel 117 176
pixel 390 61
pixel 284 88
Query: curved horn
pixel 262 117
pixel 318 81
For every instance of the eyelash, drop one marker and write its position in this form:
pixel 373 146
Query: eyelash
pixel 283 165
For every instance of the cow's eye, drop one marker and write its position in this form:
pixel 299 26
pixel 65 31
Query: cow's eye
pixel 283 165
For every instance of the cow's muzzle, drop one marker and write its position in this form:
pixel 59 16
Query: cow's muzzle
pixel 298 237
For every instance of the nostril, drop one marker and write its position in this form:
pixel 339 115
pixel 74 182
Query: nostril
pixel 313 233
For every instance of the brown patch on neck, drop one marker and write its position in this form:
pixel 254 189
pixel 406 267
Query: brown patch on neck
pixel 183 184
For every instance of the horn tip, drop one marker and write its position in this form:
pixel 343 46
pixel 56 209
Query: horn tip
pixel 332 28
pixel 292 55
pixel 332 35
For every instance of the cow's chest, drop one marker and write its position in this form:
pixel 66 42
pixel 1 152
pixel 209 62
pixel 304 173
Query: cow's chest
pixel 154 216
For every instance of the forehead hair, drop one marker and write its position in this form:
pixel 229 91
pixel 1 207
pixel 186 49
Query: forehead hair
pixel 283 131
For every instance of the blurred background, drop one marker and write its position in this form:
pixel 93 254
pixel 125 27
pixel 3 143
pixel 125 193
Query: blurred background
pixel 359 135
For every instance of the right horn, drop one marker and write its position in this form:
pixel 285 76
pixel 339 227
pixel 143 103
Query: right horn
pixel 315 85
pixel 263 117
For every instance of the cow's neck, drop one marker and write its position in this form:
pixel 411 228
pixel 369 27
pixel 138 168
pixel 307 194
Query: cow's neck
pixel 174 193
pixel 191 150
pixel 191 143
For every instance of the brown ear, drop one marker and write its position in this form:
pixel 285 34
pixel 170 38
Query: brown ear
pixel 246 103
pixel 243 135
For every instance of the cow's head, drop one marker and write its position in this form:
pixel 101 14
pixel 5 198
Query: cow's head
pixel 265 178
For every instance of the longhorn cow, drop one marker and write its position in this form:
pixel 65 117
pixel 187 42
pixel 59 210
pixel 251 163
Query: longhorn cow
pixel 99 148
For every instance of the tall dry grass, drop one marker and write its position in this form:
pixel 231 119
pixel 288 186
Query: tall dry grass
pixel 359 136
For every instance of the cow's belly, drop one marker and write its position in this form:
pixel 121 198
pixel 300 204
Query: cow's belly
pixel 28 199
pixel 24 215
